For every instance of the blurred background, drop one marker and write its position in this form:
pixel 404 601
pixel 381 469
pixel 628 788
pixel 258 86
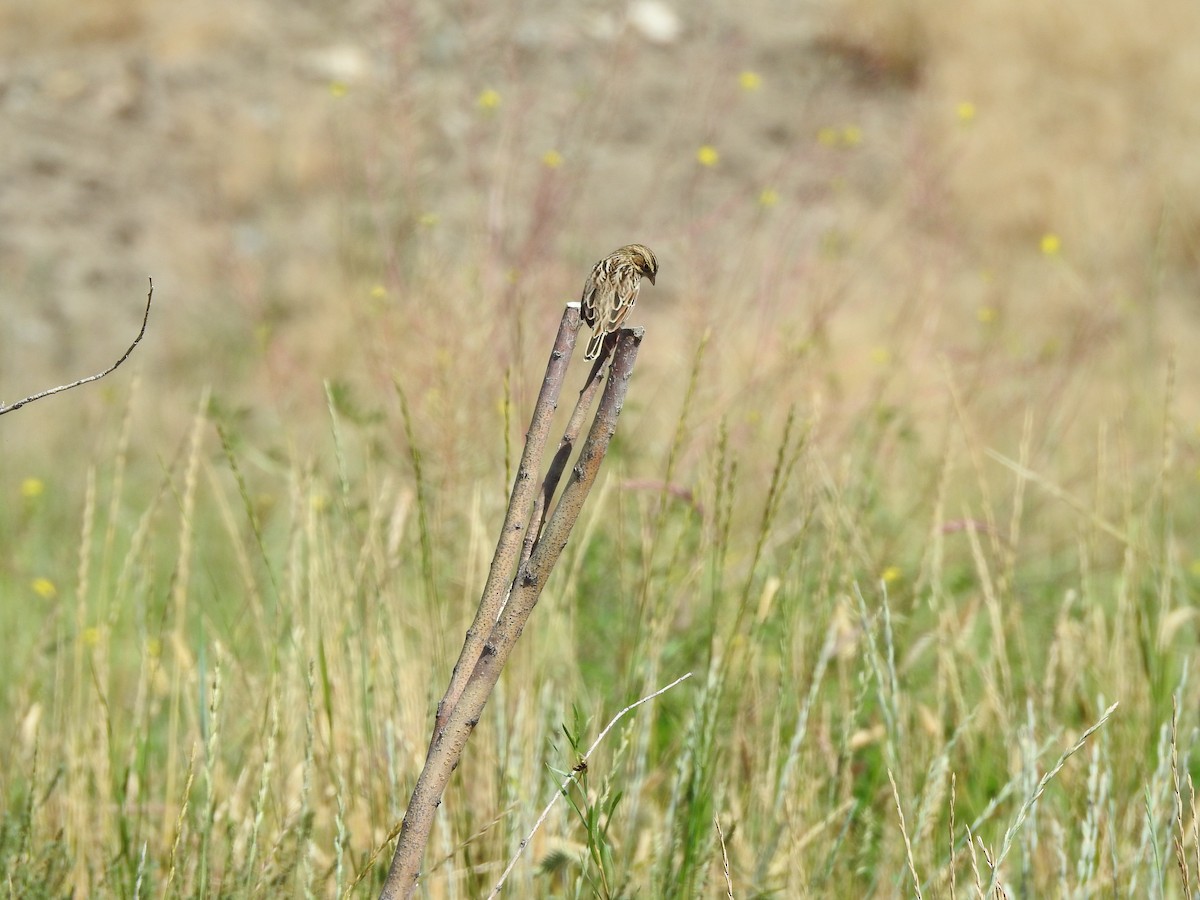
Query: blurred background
pixel 346 191
pixel 932 231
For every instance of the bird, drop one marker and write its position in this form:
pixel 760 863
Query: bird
pixel 611 290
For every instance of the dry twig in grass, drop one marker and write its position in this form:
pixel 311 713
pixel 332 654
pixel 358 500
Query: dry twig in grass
pixel 1023 812
pixel 724 857
pixel 90 378
pixel 908 851
pixel 506 605
pixel 582 766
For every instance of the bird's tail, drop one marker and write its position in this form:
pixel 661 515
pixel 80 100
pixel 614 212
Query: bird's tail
pixel 594 345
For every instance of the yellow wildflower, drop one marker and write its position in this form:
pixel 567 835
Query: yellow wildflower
pixel 750 81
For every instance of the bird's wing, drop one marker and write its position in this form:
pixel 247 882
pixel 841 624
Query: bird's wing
pixel 626 295
pixel 589 302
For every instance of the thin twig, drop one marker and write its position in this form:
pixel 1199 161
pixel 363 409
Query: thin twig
pixel 1012 830
pixel 570 779
pixel 974 864
pixel 1059 493
pixel 74 384
pixel 953 786
pixel 724 856
pixel 908 851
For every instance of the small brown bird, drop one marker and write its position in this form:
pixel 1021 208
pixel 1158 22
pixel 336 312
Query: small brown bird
pixel 611 290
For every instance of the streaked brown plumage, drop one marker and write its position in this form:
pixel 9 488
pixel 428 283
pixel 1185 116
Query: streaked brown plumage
pixel 611 290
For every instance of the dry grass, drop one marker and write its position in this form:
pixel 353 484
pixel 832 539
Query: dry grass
pixel 908 381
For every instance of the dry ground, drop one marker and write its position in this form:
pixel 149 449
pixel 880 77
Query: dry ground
pixel 272 164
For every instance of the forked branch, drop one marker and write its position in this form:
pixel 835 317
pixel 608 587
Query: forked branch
pixel 516 519
pixel 500 621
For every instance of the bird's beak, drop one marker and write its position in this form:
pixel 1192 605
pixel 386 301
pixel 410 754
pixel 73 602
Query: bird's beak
pixel 651 277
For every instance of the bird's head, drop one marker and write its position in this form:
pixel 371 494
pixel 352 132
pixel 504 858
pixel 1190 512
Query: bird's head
pixel 643 260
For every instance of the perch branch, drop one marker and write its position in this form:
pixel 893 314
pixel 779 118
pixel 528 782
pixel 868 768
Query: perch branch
pixel 566 445
pixel 449 740
pixel 509 544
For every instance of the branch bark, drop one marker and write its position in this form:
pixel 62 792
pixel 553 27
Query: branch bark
pixel 566 445
pixel 461 717
pixel 508 546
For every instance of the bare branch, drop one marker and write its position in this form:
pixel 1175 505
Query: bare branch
pixel 566 447
pixel 74 384
pixel 460 719
pixel 508 546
